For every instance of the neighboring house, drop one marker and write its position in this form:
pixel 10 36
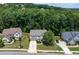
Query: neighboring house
pixel 10 34
pixel 70 37
pixel 37 34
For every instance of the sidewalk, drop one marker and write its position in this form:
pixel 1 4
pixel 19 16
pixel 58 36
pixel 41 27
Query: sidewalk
pixel 62 44
pixel 4 49
pixel 49 51
pixel 41 51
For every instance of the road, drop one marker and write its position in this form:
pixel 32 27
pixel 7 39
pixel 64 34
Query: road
pixel 25 53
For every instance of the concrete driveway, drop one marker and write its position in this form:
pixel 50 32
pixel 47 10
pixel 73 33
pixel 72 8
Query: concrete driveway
pixel 32 47
pixel 62 45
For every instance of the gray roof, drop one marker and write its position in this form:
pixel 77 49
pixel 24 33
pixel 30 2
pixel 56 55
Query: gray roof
pixel 68 36
pixel 37 32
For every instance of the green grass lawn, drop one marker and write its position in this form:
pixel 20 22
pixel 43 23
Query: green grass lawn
pixel 24 42
pixel 43 47
pixel 14 45
pixel 55 47
pixel 74 48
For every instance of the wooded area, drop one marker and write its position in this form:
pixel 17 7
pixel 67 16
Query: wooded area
pixel 33 16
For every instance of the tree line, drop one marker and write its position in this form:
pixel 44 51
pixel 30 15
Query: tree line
pixel 33 16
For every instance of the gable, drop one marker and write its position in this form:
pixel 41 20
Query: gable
pixel 11 31
pixel 68 36
pixel 76 38
pixel 37 32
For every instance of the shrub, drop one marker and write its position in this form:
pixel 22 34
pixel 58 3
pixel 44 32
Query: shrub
pixel 48 38
pixel 1 43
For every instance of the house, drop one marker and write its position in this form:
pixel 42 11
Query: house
pixel 71 37
pixel 37 34
pixel 10 34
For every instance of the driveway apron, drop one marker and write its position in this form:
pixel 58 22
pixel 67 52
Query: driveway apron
pixel 32 47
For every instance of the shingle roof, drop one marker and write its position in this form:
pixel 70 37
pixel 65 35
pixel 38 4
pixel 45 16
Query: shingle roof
pixel 11 31
pixel 68 36
pixel 37 32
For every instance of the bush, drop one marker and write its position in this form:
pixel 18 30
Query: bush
pixel 38 41
pixel 48 38
pixel 1 43
pixel 57 38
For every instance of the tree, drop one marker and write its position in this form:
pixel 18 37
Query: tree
pixel 48 38
pixel 1 43
pixel 33 16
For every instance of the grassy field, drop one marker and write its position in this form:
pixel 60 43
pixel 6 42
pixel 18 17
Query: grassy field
pixel 43 47
pixel 25 40
pixel 55 47
pixel 74 48
pixel 16 44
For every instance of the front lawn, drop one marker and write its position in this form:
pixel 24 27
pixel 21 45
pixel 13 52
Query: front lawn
pixel 14 45
pixel 24 42
pixel 74 48
pixel 43 47
pixel 55 47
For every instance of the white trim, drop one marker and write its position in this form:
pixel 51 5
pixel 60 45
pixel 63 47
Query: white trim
pixel 9 43
pixel 7 40
pixel 16 35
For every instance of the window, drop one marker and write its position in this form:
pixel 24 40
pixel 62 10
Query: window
pixel 16 34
